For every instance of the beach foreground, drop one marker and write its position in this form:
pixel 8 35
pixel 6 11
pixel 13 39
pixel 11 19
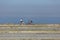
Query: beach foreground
pixel 30 32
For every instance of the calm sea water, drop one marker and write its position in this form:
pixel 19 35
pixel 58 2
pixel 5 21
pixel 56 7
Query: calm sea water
pixel 39 20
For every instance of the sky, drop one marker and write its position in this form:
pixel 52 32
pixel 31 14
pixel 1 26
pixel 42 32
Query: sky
pixel 29 8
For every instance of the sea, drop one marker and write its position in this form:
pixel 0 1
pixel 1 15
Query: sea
pixel 35 20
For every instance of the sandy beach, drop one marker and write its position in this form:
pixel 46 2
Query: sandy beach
pixel 30 32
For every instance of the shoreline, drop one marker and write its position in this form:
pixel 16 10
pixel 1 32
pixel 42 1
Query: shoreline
pixel 56 25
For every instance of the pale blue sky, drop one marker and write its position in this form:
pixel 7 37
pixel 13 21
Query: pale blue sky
pixel 30 8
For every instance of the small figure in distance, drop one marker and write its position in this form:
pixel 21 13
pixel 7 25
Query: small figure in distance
pixel 30 22
pixel 21 21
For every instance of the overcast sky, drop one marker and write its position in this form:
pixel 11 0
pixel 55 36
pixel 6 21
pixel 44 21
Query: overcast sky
pixel 30 8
